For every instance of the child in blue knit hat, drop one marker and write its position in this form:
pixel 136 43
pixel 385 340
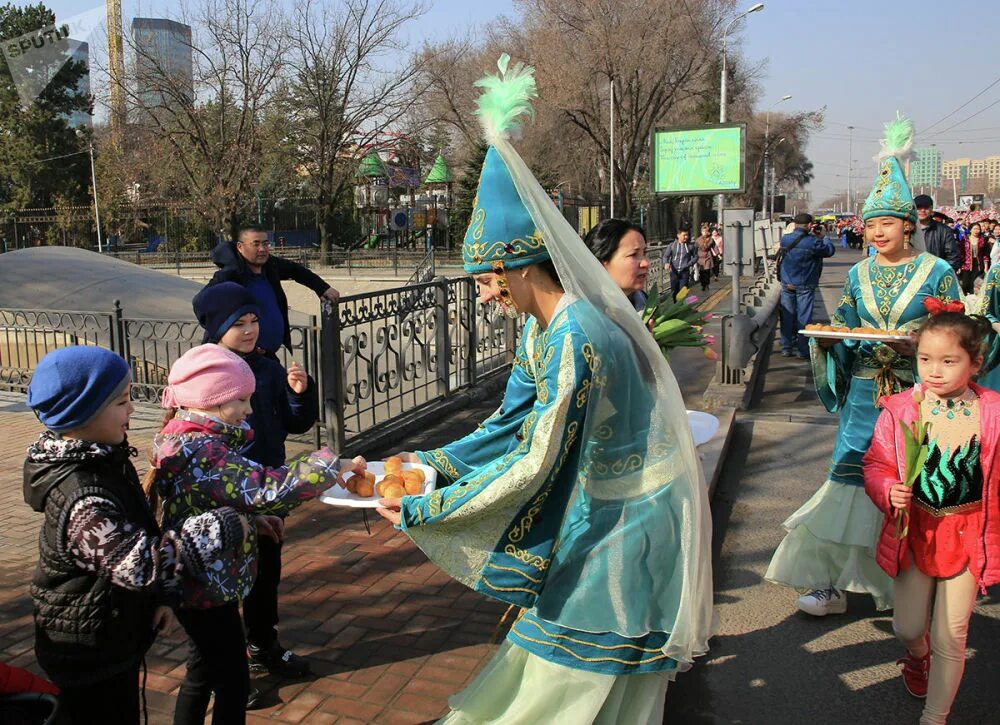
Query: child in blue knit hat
pixel 283 402
pixel 106 574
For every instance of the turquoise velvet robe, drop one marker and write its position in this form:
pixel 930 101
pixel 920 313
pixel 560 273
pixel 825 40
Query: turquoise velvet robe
pixel 990 292
pixel 853 374
pixel 509 504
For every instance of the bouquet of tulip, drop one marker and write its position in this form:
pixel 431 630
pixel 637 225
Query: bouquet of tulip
pixel 915 444
pixel 675 322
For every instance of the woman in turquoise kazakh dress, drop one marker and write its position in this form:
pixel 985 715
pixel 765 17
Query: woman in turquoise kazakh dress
pixel 830 544
pixel 990 308
pixel 581 499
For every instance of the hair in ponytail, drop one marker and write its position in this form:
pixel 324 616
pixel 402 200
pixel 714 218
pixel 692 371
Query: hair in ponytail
pixel 149 480
pixel 972 331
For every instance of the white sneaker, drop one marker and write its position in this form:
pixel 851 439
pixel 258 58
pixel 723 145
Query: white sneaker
pixel 820 602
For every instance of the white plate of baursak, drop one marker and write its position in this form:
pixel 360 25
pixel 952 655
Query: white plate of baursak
pixel 390 478
pixel 840 332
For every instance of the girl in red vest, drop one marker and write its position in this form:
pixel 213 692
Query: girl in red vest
pixel 951 545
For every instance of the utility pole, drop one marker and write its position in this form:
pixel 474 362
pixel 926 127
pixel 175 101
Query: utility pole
pixel 767 150
pixel 611 169
pixel 850 168
pixel 737 267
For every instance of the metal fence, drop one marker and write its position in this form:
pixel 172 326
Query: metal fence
pixel 402 349
pixel 376 357
pixel 353 261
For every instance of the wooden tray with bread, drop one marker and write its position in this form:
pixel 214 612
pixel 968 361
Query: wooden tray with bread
pixel 840 332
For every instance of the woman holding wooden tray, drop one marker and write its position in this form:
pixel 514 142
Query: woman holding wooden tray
pixel 830 545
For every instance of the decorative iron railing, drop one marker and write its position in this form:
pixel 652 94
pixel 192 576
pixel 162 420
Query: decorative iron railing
pixel 376 357
pixel 425 269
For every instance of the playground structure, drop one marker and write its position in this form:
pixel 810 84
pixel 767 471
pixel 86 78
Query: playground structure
pixel 395 212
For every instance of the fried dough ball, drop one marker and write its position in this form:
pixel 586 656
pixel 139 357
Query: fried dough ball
pixel 394 490
pixel 365 490
pixel 413 474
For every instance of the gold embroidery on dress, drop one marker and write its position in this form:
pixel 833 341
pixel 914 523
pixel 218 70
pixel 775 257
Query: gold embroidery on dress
pixel 443 464
pixel 540 563
pixel 585 642
pixel 495 587
pixel 516 571
pixel 593 659
pixel 887 301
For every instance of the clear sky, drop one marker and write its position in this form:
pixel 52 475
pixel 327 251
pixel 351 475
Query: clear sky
pixel 865 60
pixel 862 60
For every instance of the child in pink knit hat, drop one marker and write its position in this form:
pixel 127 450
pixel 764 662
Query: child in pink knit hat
pixel 197 466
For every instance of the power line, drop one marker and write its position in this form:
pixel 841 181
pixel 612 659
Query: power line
pixel 962 106
pixel 982 110
pixel 54 158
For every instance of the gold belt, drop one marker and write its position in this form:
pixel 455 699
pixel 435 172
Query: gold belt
pixel 964 508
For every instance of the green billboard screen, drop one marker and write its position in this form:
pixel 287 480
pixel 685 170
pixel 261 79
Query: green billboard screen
pixel 699 159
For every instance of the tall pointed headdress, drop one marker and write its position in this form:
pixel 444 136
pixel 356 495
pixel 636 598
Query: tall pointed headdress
pixel 501 233
pixel 891 195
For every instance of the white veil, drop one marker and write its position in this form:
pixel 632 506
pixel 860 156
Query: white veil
pixel 681 600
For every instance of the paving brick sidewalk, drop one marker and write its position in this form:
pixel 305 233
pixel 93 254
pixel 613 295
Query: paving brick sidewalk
pixel 389 636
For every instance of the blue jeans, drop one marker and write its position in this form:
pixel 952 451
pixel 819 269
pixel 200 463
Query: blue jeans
pixel 796 312
pixel 679 280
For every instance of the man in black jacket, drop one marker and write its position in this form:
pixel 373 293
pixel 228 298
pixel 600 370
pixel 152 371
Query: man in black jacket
pixel 249 263
pixel 938 238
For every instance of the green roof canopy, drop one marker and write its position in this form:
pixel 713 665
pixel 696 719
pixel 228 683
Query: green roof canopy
pixel 371 166
pixel 440 174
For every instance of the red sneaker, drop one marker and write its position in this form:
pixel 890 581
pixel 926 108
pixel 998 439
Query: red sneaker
pixel 915 673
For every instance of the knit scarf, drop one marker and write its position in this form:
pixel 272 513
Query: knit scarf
pixel 51 448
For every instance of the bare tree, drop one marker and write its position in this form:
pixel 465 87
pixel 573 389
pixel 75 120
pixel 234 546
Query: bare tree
pixel 349 83
pixel 210 116
pixel 448 72
pixel 654 52
pixel 786 143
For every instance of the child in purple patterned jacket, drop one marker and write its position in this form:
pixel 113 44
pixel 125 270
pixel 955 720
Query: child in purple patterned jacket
pixel 198 467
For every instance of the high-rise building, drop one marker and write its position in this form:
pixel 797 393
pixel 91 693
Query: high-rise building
pixel 164 72
pixel 964 169
pixel 953 169
pixel 78 51
pixel 925 167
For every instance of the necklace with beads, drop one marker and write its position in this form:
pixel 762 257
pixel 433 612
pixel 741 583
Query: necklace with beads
pixel 952 408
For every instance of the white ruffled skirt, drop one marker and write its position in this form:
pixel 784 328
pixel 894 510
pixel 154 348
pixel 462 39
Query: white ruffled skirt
pixel 831 542
pixel 519 688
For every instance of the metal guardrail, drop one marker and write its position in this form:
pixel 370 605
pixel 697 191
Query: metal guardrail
pixel 376 357
pixel 425 269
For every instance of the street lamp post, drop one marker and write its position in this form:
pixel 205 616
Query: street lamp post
pixel 767 130
pixel 722 119
pixel 850 168
pixel 93 181
pixel 774 185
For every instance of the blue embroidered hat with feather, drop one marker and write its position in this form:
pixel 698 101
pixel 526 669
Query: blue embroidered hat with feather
pixel 501 233
pixel 891 195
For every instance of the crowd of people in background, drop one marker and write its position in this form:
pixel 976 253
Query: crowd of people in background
pixel 966 239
